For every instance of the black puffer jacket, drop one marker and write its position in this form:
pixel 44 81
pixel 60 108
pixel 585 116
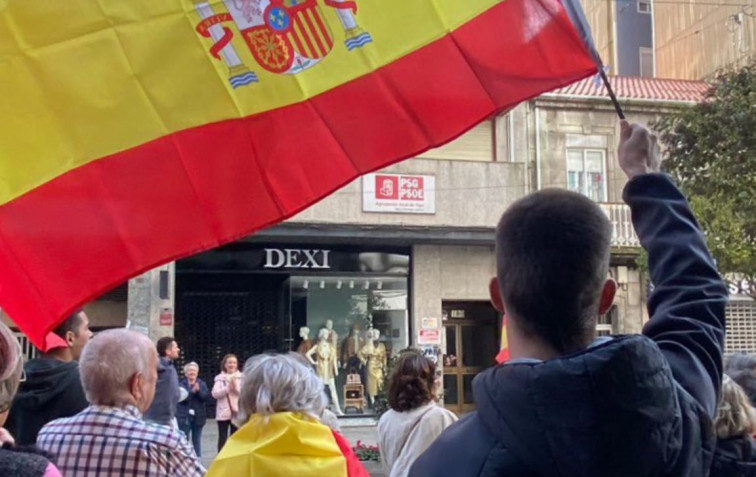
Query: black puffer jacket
pixel 22 463
pixel 634 406
pixel 735 457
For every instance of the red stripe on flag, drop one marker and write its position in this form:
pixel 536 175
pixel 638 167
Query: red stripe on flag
pixel 302 32
pixel 294 34
pixel 314 33
pixel 354 467
pixel 79 235
pixel 324 31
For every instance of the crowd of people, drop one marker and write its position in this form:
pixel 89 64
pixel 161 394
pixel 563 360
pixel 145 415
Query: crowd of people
pixel 566 403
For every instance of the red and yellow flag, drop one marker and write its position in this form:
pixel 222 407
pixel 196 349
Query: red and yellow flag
pixel 138 132
pixel 286 444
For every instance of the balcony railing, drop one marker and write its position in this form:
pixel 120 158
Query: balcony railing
pixel 623 234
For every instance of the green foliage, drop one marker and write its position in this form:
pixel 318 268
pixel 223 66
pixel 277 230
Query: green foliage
pixel 710 150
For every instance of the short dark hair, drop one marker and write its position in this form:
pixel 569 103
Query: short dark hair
pixel 552 254
pixel 71 324
pixel 741 368
pixel 163 344
pixel 411 381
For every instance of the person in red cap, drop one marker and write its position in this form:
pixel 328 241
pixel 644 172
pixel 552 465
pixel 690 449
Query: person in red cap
pixel 52 388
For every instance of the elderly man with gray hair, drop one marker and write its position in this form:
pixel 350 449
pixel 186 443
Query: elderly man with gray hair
pixel 109 438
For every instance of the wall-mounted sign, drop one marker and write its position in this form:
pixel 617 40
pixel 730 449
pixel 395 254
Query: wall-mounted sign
pixel 166 317
pixel 296 258
pixel 429 337
pixel 429 323
pixel 458 313
pixel 399 193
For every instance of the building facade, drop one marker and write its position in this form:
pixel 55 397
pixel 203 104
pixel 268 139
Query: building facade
pixel 407 251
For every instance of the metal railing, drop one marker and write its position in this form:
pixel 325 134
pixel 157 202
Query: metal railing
pixel 27 348
pixel 623 234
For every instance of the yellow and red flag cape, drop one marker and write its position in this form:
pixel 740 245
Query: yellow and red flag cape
pixel 136 132
pixel 285 444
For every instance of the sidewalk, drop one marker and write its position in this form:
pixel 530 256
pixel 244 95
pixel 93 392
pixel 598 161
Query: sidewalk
pixel 366 434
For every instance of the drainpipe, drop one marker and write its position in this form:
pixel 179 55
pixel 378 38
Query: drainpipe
pixel 537 146
pixel 510 121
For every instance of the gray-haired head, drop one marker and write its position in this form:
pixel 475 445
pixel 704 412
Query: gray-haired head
pixel 11 364
pixel 280 383
pixel 191 365
pixel 119 367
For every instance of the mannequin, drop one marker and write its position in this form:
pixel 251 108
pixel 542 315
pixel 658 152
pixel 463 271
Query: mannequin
pixel 351 346
pixel 373 355
pixel 306 344
pixel 326 365
pixel 333 337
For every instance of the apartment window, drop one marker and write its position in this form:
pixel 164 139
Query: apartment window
pixel 477 144
pixel 646 62
pixel 644 6
pixel 586 172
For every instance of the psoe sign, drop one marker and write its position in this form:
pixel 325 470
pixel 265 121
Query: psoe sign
pixel 296 258
pixel 399 193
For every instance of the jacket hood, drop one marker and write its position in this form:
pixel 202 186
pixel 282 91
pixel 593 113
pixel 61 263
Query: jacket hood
pixel 609 410
pixel 46 379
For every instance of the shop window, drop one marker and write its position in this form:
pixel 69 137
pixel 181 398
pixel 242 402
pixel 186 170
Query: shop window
pixel 586 172
pixel 350 327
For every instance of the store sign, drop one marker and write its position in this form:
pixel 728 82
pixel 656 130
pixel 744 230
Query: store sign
pixel 296 258
pixel 166 317
pixel 399 193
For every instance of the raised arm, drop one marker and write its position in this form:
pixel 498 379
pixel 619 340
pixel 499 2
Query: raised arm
pixel 687 304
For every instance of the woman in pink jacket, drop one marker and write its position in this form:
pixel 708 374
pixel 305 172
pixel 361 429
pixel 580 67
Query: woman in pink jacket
pixel 226 392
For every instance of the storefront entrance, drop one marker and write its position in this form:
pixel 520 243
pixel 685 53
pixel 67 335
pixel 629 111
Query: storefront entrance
pixel 472 337
pixel 344 305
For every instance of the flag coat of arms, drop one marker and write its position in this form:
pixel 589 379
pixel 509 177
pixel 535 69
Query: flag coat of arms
pixel 137 132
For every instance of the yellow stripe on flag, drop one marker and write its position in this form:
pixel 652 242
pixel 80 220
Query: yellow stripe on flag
pixel 83 79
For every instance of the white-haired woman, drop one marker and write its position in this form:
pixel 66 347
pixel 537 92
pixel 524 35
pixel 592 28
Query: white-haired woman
pixel 735 425
pixel 281 401
pixel 12 461
pixel 191 414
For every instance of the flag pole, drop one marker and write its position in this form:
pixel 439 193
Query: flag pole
pixel 612 96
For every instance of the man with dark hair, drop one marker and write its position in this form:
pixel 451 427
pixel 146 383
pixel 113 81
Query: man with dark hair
pixel 569 403
pixel 53 387
pixel 167 392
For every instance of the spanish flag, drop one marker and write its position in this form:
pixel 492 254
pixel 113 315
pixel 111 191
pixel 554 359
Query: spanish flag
pixel 286 444
pixel 136 132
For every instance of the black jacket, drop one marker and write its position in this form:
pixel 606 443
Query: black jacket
pixel 164 405
pixel 52 390
pixel 735 457
pixel 634 406
pixel 195 401
pixel 22 462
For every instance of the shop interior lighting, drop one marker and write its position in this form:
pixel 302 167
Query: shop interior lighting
pixel 380 285
pixel 367 284
pixel 306 284
pixel 322 283
pixel 338 284
pixel 351 283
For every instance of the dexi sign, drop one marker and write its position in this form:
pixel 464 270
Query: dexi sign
pixel 399 193
pixel 296 258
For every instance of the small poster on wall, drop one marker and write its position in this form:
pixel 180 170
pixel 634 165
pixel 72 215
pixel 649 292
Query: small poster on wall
pixel 429 337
